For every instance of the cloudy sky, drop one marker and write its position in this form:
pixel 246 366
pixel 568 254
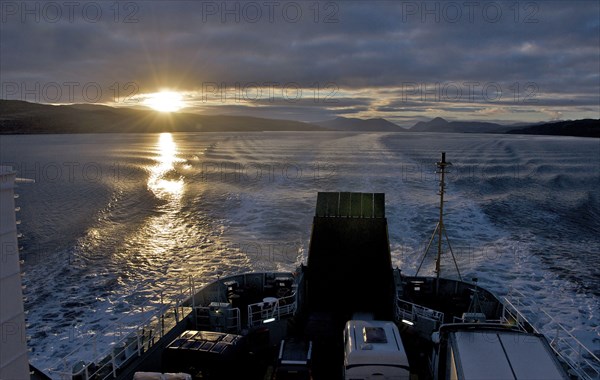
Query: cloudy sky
pixel 502 61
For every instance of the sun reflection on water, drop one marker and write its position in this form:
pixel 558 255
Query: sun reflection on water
pixel 164 181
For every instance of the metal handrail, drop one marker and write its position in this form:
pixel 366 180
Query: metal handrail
pixel 233 321
pixel 283 307
pixel 412 310
pixel 564 346
pixel 127 346
pixel 107 364
pixel 515 314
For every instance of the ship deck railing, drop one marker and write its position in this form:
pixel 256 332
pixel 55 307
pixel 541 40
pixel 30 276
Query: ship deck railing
pixel 232 320
pixel 411 312
pixel 581 361
pixel 265 312
pixel 127 342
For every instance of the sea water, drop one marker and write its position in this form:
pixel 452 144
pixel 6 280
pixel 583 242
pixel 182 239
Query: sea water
pixel 115 224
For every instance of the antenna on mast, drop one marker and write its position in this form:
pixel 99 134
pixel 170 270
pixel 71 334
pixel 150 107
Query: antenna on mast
pixel 440 228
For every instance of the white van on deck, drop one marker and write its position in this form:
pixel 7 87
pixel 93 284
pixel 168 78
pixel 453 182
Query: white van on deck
pixel 374 350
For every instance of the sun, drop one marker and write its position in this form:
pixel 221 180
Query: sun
pixel 165 101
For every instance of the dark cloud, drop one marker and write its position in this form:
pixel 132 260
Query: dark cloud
pixel 369 50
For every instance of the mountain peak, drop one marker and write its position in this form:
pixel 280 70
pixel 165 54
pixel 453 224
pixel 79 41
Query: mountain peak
pixel 360 125
pixel 438 121
pixel 433 124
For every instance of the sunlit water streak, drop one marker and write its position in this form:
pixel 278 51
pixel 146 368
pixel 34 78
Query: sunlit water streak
pixel 522 212
pixel 164 181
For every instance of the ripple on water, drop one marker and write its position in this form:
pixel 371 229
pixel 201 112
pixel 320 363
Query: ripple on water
pixel 522 212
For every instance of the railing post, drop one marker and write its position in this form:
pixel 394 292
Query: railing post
pixel 162 316
pixel 95 347
pixel 113 364
pixel 139 344
pixel 66 366
pixel 250 316
pixel 192 292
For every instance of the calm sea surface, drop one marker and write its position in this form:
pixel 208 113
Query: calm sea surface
pixel 114 223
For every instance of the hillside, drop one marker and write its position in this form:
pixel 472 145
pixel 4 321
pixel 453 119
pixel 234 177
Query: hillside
pixel 441 125
pixel 579 128
pixel 18 117
pixel 360 125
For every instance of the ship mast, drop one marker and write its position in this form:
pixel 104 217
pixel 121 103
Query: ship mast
pixel 440 229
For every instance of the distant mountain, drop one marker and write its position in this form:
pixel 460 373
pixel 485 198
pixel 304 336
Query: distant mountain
pixel 441 125
pixel 429 126
pixel 91 107
pixel 360 125
pixel 580 128
pixel 19 117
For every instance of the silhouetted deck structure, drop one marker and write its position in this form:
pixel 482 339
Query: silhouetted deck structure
pixel 349 262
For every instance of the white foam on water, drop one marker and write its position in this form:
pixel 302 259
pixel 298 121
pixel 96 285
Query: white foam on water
pixel 229 219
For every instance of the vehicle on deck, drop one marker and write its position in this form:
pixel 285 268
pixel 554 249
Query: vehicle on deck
pixel 374 349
